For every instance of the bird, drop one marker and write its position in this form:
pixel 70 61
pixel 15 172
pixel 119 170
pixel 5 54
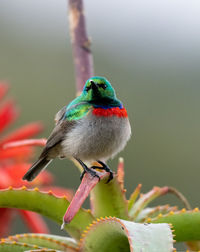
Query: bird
pixel 94 127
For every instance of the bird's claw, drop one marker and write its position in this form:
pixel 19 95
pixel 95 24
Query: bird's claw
pixel 91 172
pixel 82 174
pixel 105 168
pixel 110 177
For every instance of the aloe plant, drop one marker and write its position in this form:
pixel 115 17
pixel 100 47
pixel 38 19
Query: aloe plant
pixel 113 223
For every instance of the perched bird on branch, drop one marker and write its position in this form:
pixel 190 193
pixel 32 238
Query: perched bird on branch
pixel 93 127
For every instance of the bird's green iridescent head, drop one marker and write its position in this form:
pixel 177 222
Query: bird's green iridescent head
pixel 98 87
pixel 99 91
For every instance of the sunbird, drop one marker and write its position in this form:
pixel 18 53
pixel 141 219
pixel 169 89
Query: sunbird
pixel 94 127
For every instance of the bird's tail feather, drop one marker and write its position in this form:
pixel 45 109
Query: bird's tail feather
pixel 36 168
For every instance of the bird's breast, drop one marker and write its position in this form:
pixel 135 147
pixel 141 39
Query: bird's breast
pixel 99 135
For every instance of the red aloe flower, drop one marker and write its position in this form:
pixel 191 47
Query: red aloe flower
pixel 15 161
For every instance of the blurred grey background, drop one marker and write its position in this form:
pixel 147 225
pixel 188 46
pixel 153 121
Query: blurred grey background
pixel 148 49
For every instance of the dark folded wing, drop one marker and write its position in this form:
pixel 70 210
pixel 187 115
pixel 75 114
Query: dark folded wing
pixel 65 120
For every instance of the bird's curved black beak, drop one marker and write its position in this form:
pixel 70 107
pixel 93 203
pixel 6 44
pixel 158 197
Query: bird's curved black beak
pixel 94 85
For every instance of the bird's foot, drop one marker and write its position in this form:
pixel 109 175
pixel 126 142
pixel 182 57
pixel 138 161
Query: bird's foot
pixel 105 168
pixel 82 175
pixel 91 172
pixel 87 170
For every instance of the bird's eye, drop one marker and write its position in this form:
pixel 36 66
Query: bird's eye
pixel 103 86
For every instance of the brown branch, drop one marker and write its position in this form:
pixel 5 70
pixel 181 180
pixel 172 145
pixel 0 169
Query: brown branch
pixel 83 61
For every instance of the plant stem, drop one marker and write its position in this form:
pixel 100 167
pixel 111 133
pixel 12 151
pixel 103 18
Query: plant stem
pixel 83 60
pixel 180 196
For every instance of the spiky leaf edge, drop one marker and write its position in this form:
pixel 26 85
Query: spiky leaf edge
pixel 113 234
pixel 46 204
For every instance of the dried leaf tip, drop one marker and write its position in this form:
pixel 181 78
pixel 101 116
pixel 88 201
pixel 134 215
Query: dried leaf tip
pixel 120 170
pixel 63 226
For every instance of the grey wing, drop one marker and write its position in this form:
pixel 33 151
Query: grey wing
pixel 60 115
pixel 58 134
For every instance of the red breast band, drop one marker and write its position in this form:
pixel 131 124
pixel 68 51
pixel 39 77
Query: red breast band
pixel 119 112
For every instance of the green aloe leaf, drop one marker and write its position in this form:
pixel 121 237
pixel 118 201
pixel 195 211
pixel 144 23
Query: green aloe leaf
pixel 152 212
pixel 134 196
pixel 108 199
pixel 6 246
pixel 113 234
pixel 186 224
pixel 46 241
pixel 145 199
pixel 46 204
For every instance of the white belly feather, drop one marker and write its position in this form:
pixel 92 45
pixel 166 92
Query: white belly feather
pixel 97 138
